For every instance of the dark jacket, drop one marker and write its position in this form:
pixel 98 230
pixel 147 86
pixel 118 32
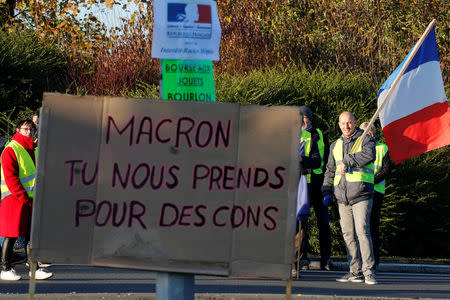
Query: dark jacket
pixel 386 168
pixel 2 144
pixel 315 187
pixel 350 192
pixel 315 136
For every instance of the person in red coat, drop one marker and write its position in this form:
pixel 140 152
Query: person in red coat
pixel 17 191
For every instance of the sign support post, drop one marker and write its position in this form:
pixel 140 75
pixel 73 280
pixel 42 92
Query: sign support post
pixel 170 285
pixel 174 286
pixel 187 46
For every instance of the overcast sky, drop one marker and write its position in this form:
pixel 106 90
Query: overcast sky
pixel 111 16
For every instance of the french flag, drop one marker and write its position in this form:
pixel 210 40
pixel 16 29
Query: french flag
pixel 179 12
pixel 416 116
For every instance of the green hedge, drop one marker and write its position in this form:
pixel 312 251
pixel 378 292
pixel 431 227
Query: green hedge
pixel 28 67
pixel 416 212
pixel 327 93
pixel 10 118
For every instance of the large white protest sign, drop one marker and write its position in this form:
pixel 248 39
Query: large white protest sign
pixel 186 29
pixel 205 188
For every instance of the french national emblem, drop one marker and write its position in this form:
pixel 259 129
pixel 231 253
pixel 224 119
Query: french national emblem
pixel 189 20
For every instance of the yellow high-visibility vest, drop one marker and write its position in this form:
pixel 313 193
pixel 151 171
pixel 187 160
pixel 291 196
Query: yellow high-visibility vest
pixel 362 174
pixel 381 150
pixel 27 170
pixel 306 136
pixel 321 146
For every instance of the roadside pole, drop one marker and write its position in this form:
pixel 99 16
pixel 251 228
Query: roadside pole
pixel 174 286
pixel 32 284
pixel 169 285
pixel 288 289
pixel 186 38
pixel 183 80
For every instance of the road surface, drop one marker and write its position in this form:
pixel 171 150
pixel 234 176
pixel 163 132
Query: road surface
pixel 79 280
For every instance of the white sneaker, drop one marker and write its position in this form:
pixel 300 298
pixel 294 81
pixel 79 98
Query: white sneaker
pixel 9 275
pixel 370 279
pixel 42 274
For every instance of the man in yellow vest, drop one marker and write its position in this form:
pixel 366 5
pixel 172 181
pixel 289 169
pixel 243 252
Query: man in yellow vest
pixel 350 177
pixel 3 142
pixel 313 162
pixel 383 166
pixel 35 119
pixel 18 174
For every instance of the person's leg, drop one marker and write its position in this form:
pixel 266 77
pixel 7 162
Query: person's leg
pixel 348 232
pixel 304 244
pixel 27 249
pixel 361 213
pixel 323 223
pixel 7 252
pixel 323 219
pixel 375 225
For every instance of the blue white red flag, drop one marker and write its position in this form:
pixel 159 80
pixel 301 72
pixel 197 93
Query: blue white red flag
pixel 182 12
pixel 416 117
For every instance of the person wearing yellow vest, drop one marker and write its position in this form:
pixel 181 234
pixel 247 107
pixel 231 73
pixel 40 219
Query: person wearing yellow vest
pixel 313 162
pixel 18 173
pixel 383 166
pixel 3 142
pixel 350 177
pixel 35 119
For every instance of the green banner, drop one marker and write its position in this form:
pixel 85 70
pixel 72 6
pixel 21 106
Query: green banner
pixel 188 80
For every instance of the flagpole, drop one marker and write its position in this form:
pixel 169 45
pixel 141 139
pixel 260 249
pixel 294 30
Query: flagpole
pixel 394 84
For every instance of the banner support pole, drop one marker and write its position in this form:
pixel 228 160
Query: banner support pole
pixel 174 286
pixel 169 285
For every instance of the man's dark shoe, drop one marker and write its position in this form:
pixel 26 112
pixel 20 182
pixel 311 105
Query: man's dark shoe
pixel 350 277
pixel 328 266
pixel 304 264
pixel 18 258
